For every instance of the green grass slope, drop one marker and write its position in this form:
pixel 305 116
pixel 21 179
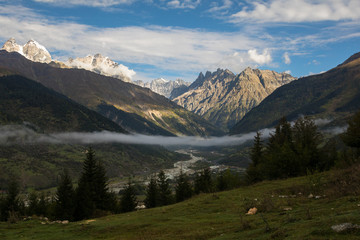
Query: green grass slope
pixel 334 95
pixel 91 90
pixel 284 212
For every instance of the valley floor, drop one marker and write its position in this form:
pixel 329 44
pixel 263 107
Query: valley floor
pixel 298 208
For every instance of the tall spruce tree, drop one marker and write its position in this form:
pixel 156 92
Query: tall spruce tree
pixel 65 198
pixel 306 140
pixel 165 194
pixel 152 194
pixel 253 171
pixel 92 192
pixel 203 182
pixel 352 135
pixel 128 201
pixel 11 203
pixel 183 189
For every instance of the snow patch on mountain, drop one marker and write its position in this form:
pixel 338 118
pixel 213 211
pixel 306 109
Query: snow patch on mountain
pixel 102 65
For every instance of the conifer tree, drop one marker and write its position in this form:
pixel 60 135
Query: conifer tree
pixel 256 155
pixel 152 193
pixel 65 198
pixel 352 135
pixel 183 188
pixel 11 203
pixel 203 182
pixel 165 194
pixel 92 192
pixel 128 200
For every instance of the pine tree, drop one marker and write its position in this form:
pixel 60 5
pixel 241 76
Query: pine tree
pixel 152 193
pixel 183 188
pixel 165 194
pixel 203 182
pixel 256 155
pixel 128 200
pixel 352 135
pixel 11 203
pixel 92 192
pixel 306 140
pixel 65 198
pixel 256 150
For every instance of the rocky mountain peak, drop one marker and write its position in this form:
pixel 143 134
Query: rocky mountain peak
pixel 36 52
pixel 32 50
pixel 11 46
pixel 224 98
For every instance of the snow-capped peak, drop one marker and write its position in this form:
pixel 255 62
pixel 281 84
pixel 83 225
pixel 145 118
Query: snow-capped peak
pixel 102 65
pixel 32 50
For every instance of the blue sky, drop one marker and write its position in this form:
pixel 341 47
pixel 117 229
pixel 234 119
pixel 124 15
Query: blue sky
pixel 179 38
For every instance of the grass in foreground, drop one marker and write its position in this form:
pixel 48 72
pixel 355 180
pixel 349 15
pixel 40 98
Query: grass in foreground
pixel 285 211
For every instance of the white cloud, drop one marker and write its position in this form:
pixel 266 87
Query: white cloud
pixel 183 4
pixel 288 72
pixel 92 3
pixel 218 8
pixel 286 57
pixel 264 58
pixel 299 11
pixel 167 48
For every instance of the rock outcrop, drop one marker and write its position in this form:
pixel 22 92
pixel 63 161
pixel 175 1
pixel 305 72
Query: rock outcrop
pixel 224 98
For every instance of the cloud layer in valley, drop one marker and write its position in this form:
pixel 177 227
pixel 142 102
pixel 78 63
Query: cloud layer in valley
pixel 16 134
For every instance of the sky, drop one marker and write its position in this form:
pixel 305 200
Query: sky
pixel 181 38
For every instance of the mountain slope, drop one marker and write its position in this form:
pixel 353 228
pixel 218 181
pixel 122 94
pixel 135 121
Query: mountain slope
pixel 224 98
pixel 334 95
pixel 23 100
pixel 91 89
pixel 28 109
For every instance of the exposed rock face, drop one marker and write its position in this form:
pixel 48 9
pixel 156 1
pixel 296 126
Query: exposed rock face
pixel 224 98
pixel 32 50
pixel 102 65
pixel 162 86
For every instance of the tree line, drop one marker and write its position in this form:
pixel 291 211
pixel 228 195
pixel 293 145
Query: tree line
pixel 92 198
pixel 300 150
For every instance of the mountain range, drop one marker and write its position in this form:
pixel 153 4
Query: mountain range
pixel 154 114
pixel 223 98
pixel 333 96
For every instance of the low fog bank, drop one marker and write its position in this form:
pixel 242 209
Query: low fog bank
pixel 21 134
pixel 17 134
